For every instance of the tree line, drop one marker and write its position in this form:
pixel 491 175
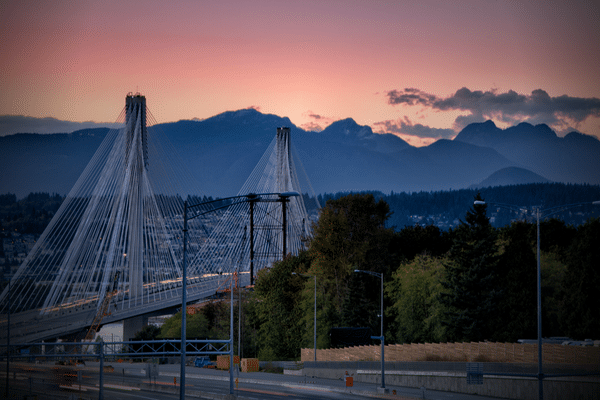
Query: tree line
pixel 29 215
pixel 472 283
pixel 32 213
pixel 442 208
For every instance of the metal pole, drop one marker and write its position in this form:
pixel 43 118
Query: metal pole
pixel 380 275
pixel 231 340
pixel 240 323
pixel 315 321
pixel 539 312
pixel 8 340
pixel 183 305
pixel 101 355
pixel 382 340
pixel 252 201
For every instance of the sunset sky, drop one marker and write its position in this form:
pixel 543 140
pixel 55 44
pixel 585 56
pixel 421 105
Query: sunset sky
pixel 420 69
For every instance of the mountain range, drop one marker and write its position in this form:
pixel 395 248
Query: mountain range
pixel 221 152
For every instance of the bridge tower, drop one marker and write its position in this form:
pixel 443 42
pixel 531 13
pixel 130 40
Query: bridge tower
pixel 284 183
pixel 136 154
pixel 277 225
pixel 122 218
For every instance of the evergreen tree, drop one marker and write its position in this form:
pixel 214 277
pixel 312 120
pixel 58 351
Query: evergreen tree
pixel 517 267
pixel 349 235
pixel 278 293
pixel 579 311
pixel 415 240
pixel 471 285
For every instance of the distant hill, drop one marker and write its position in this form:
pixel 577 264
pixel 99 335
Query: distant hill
pixel 572 159
pixel 46 162
pixel 510 176
pixel 221 152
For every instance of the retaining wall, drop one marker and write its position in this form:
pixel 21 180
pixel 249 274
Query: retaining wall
pixel 453 380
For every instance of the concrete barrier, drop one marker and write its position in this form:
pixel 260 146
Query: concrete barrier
pixel 509 387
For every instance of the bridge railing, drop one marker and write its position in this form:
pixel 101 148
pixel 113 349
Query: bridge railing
pixel 130 349
pixel 45 379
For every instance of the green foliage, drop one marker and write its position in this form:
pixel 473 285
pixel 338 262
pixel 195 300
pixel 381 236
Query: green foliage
pixel 349 235
pixel 556 236
pixel 199 326
pixel 554 273
pixel 30 215
pixel 414 292
pixel 278 294
pixel 472 283
pixel 415 240
pixel 250 325
pixel 149 332
pixel 579 313
pixel 517 266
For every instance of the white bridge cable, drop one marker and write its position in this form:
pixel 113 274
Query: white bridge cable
pixel 123 219
pixel 229 242
pixel 121 227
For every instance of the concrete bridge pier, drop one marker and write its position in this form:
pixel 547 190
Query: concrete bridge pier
pixel 133 325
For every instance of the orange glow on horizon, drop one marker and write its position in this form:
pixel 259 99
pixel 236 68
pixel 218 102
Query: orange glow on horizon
pixel 76 60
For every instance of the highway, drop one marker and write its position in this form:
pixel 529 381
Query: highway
pixel 130 381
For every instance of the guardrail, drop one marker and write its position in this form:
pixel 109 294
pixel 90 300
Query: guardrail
pixel 78 352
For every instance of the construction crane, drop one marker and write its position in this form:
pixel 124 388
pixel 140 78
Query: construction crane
pixel 111 290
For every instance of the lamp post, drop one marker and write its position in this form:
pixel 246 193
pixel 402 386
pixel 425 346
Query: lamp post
pixel 8 341
pixel 315 320
pixel 251 198
pixel 538 212
pixel 380 275
pixel 183 304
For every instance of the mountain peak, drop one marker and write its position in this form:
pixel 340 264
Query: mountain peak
pixel 478 133
pixel 477 128
pixel 577 137
pixel 511 176
pixel 349 128
pixel 249 116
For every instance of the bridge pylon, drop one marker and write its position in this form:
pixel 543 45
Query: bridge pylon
pixel 122 218
pixel 271 224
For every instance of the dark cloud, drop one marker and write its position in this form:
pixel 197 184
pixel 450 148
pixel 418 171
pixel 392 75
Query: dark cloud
pixel 411 97
pixel 11 124
pixel 509 107
pixel 406 127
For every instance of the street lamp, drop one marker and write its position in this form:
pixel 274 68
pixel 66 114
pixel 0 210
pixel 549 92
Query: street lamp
pixel 538 212
pixel 315 320
pixel 250 198
pixel 380 275
pixel 8 340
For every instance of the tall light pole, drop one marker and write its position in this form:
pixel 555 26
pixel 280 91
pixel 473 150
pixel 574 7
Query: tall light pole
pixel 380 275
pixel 183 304
pixel 8 341
pixel 315 320
pixel 538 212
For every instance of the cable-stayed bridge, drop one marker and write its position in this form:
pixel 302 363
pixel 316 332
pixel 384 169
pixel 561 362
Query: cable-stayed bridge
pixel 115 246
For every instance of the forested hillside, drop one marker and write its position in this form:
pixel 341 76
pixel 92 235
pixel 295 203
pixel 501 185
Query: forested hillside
pixel 445 208
pixel 442 208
